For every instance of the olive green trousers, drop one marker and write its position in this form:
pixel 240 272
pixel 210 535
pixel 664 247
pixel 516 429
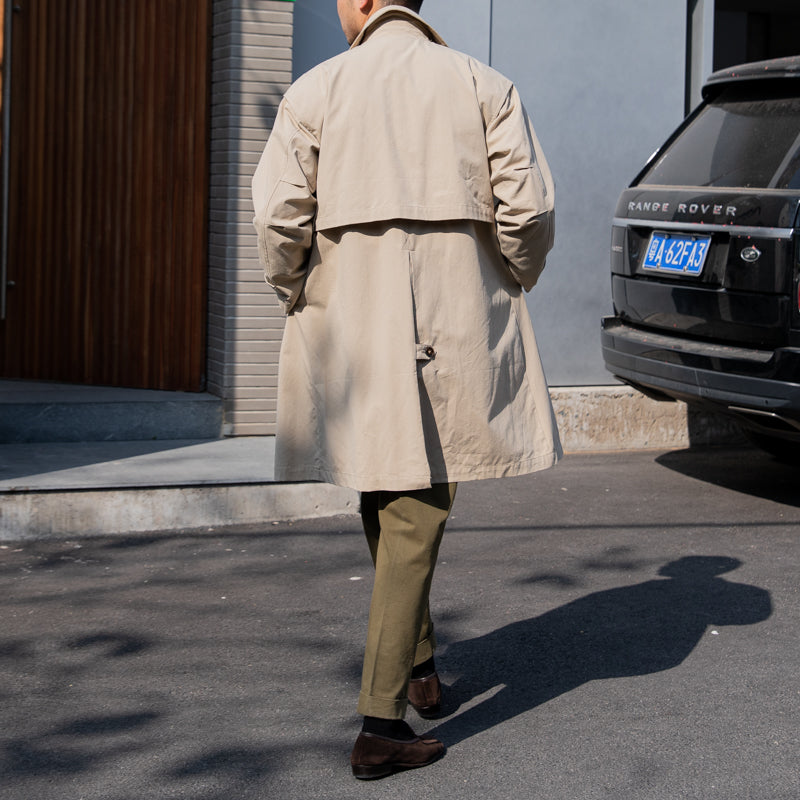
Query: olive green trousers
pixel 404 531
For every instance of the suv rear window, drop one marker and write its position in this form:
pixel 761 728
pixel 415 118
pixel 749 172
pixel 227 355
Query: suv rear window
pixel 747 137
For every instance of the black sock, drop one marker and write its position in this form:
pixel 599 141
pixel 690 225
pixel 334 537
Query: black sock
pixel 390 728
pixel 424 669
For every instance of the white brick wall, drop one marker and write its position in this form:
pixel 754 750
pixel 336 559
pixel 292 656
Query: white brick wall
pixel 251 69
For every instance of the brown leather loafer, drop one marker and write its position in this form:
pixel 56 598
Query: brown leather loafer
pixel 425 695
pixel 378 756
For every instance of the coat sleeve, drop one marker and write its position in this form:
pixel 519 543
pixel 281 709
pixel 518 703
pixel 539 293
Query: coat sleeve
pixel 284 198
pixel 523 190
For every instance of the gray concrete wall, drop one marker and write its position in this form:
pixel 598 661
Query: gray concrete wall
pixel 251 69
pixel 604 81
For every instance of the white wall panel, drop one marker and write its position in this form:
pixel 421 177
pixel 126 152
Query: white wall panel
pixel 603 81
pixel 464 24
pixel 317 34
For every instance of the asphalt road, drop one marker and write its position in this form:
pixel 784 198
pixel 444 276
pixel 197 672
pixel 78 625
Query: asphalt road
pixel 623 626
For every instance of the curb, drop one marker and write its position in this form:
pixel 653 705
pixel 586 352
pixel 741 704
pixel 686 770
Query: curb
pixel 606 418
pixel 59 515
pixel 589 418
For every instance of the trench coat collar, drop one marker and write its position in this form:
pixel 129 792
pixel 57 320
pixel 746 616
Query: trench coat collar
pixel 396 12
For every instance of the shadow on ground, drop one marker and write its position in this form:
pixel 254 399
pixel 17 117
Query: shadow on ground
pixel 621 632
pixel 224 665
pixel 746 470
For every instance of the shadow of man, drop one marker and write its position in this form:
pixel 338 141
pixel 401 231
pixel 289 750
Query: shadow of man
pixel 631 630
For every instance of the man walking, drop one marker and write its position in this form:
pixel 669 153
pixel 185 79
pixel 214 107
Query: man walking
pixel 403 204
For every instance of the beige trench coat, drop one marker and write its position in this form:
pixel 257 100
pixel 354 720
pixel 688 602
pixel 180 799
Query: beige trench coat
pixel 402 205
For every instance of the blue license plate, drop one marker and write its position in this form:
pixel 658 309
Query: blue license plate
pixel 676 252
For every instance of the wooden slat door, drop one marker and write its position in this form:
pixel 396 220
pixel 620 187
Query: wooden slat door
pixel 108 187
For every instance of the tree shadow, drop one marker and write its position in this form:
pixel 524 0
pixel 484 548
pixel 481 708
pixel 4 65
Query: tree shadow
pixel 623 632
pixel 248 762
pixel 137 658
pixel 74 747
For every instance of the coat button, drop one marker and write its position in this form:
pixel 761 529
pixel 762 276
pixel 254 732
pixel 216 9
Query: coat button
pixel 430 352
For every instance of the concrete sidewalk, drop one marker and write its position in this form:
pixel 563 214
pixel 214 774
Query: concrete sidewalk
pixel 60 489
pixel 67 468
pixel 624 626
pixel 93 460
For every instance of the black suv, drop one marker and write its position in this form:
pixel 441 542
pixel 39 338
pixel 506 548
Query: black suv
pixel 705 259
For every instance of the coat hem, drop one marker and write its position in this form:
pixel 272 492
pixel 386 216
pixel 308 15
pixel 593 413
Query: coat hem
pixel 456 474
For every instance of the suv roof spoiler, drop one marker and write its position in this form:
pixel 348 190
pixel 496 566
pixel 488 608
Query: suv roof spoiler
pixel 788 67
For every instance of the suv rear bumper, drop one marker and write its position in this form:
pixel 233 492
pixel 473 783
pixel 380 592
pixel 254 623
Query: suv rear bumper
pixel 759 387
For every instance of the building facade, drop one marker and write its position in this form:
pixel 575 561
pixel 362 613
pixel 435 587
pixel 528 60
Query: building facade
pixel 132 129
